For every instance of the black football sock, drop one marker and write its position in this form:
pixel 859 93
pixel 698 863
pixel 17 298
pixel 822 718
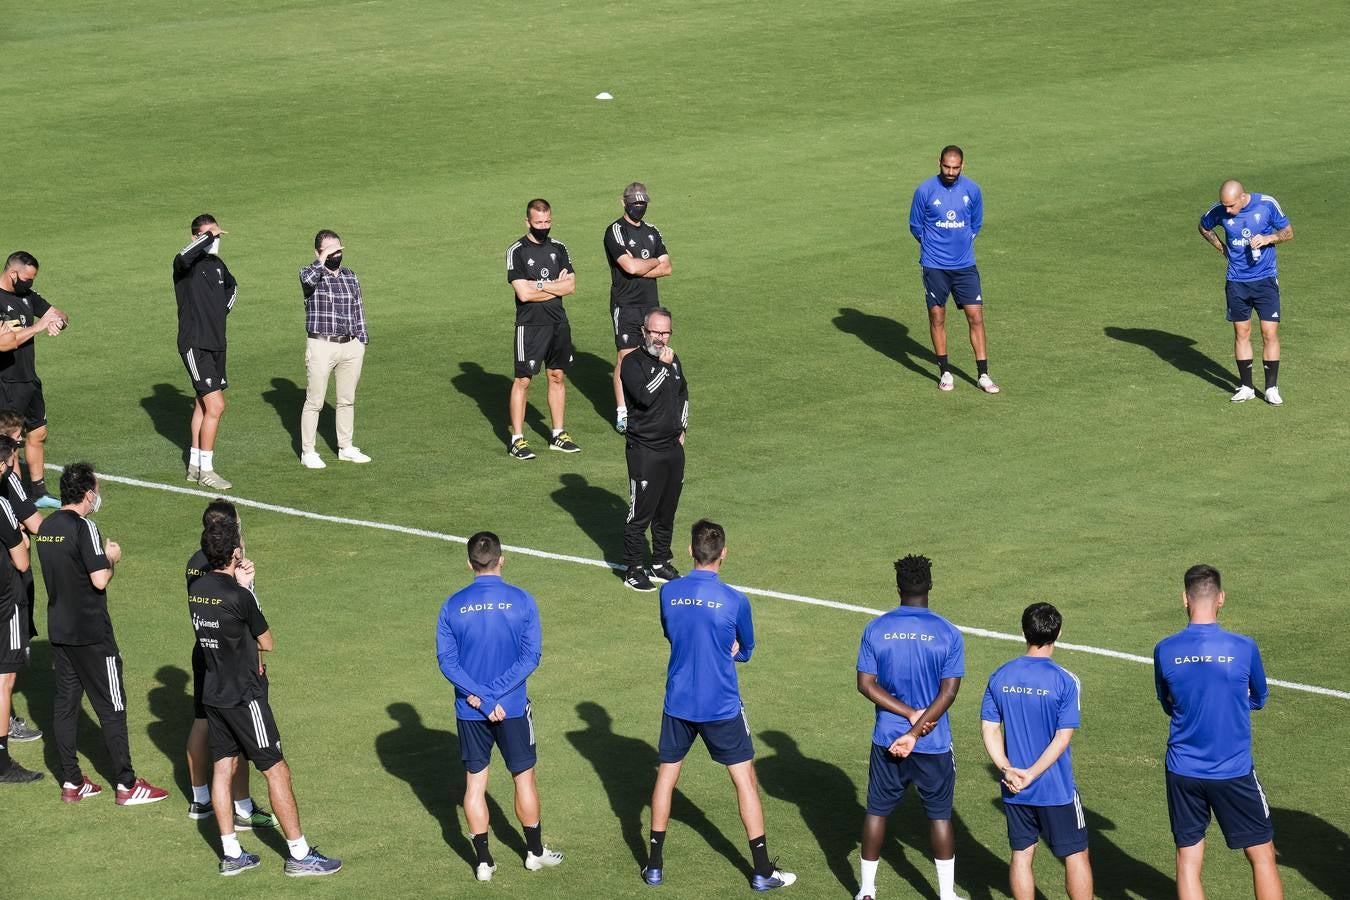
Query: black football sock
pixel 1272 371
pixel 4 750
pixel 1245 371
pixel 942 365
pixel 654 854
pixel 39 487
pixel 759 852
pixel 480 846
pixel 534 838
pixel 982 366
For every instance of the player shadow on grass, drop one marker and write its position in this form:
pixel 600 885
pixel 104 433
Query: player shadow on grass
pixel 170 410
pixel 492 393
pixel 1116 875
pixel 428 760
pixel 37 684
pixel 627 769
pixel 171 706
pixel 1315 848
pixel 1179 351
pixel 891 338
pixel 288 399
pixel 599 513
pixel 593 377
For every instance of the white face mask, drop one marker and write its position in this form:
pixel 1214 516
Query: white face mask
pixel 214 249
pixel 98 502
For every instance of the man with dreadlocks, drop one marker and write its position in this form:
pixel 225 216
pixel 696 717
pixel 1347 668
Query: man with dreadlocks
pixel 910 665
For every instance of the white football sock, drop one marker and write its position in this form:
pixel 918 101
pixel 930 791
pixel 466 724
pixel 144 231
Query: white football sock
pixel 299 847
pixel 244 807
pixel 207 456
pixel 229 843
pixel 946 872
pixel 868 877
pixel 201 793
pixel 195 456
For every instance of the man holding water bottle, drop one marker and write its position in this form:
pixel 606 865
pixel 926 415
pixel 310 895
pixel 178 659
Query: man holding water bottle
pixel 1252 224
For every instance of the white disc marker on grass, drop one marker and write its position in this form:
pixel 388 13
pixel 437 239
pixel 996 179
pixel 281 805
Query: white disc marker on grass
pixel 604 95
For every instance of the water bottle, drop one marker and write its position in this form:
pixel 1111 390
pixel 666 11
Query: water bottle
pixel 1256 252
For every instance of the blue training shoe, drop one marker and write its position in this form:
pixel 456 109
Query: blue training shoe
pixel 313 864
pixel 47 501
pixel 233 865
pixel 651 876
pixel 768 882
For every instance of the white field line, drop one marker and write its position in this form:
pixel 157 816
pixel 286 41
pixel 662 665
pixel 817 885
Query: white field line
pixel 601 564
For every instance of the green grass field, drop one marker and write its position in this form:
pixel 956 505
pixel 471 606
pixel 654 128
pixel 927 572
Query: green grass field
pixel 781 143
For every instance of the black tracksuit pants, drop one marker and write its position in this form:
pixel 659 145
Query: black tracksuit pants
pixel 655 479
pixel 96 670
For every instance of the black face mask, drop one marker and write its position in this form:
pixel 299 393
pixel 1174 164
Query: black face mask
pixel 334 262
pixel 539 234
pixel 22 286
pixel 636 211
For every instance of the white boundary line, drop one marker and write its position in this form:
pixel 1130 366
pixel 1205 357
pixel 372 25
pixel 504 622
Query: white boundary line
pixel 601 564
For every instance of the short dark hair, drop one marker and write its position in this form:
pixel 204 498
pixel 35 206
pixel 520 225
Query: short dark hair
pixel 1202 580
pixel 707 540
pixel 538 204
pixel 77 479
pixel 220 538
pixel 11 419
pixel 1041 623
pixel 952 148
pixel 8 447
pixel 323 234
pixel 203 219
pixel 485 551
pixel 20 258
pixel 913 575
pixel 217 510
pixel 657 311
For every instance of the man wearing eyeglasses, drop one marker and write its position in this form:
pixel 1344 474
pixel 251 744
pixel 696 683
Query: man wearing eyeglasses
pixel 657 397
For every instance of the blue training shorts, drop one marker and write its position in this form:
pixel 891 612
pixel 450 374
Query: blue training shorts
pixel 728 740
pixel 963 285
pixel 1238 803
pixel 1245 296
pixel 1064 827
pixel 514 737
pixel 888 777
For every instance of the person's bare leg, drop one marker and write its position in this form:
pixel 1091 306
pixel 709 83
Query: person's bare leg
pixel 975 318
pixel 1020 877
pixel 747 797
pixel 937 329
pixel 475 801
pixel 663 794
pixel 1270 341
pixel 1078 876
pixel 1242 340
pixel 527 798
pixel 282 795
pixel 517 404
pixel 1265 874
pixel 35 452
pixel 1190 862
pixel 557 397
pixel 222 774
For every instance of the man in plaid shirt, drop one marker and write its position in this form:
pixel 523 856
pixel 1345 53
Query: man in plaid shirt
pixel 336 327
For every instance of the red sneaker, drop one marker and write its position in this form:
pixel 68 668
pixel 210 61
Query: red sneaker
pixel 85 788
pixel 140 792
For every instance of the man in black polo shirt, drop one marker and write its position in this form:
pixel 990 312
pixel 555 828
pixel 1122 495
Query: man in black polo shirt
pixel 539 270
pixel 14 615
pixel 205 290
pixel 657 397
pixel 637 257
pixel 77 567
pixel 231 630
pixel 24 314
pixel 247 815
pixel 29 519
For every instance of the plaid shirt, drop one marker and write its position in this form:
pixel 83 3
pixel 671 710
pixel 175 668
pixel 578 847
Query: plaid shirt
pixel 333 302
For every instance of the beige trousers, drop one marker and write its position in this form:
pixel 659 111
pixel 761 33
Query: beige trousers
pixel 343 362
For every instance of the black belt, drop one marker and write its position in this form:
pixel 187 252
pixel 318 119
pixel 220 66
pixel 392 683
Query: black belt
pixel 332 338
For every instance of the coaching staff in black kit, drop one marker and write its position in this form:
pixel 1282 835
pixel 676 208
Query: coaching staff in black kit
pixel 77 566
pixel 23 315
pixel 231 630
pixel 205 290
pixel 15 617
pixel 637 257
pixel 657 397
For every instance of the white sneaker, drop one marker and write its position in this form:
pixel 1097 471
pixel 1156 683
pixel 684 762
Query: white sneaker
pixel 987 385
pixel 548 858
pixel 312 460
pixel 485 871
pixel 946 382
pixel 353 454
pixel 1243 394
pixel 1273 396
pixel 866 894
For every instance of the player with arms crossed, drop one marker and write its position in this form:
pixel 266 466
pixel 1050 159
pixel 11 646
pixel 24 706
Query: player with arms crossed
pixel 910 665
pixel 1030 711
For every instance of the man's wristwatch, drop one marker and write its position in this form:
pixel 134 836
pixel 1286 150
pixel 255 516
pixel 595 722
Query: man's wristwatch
pixel 539 285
